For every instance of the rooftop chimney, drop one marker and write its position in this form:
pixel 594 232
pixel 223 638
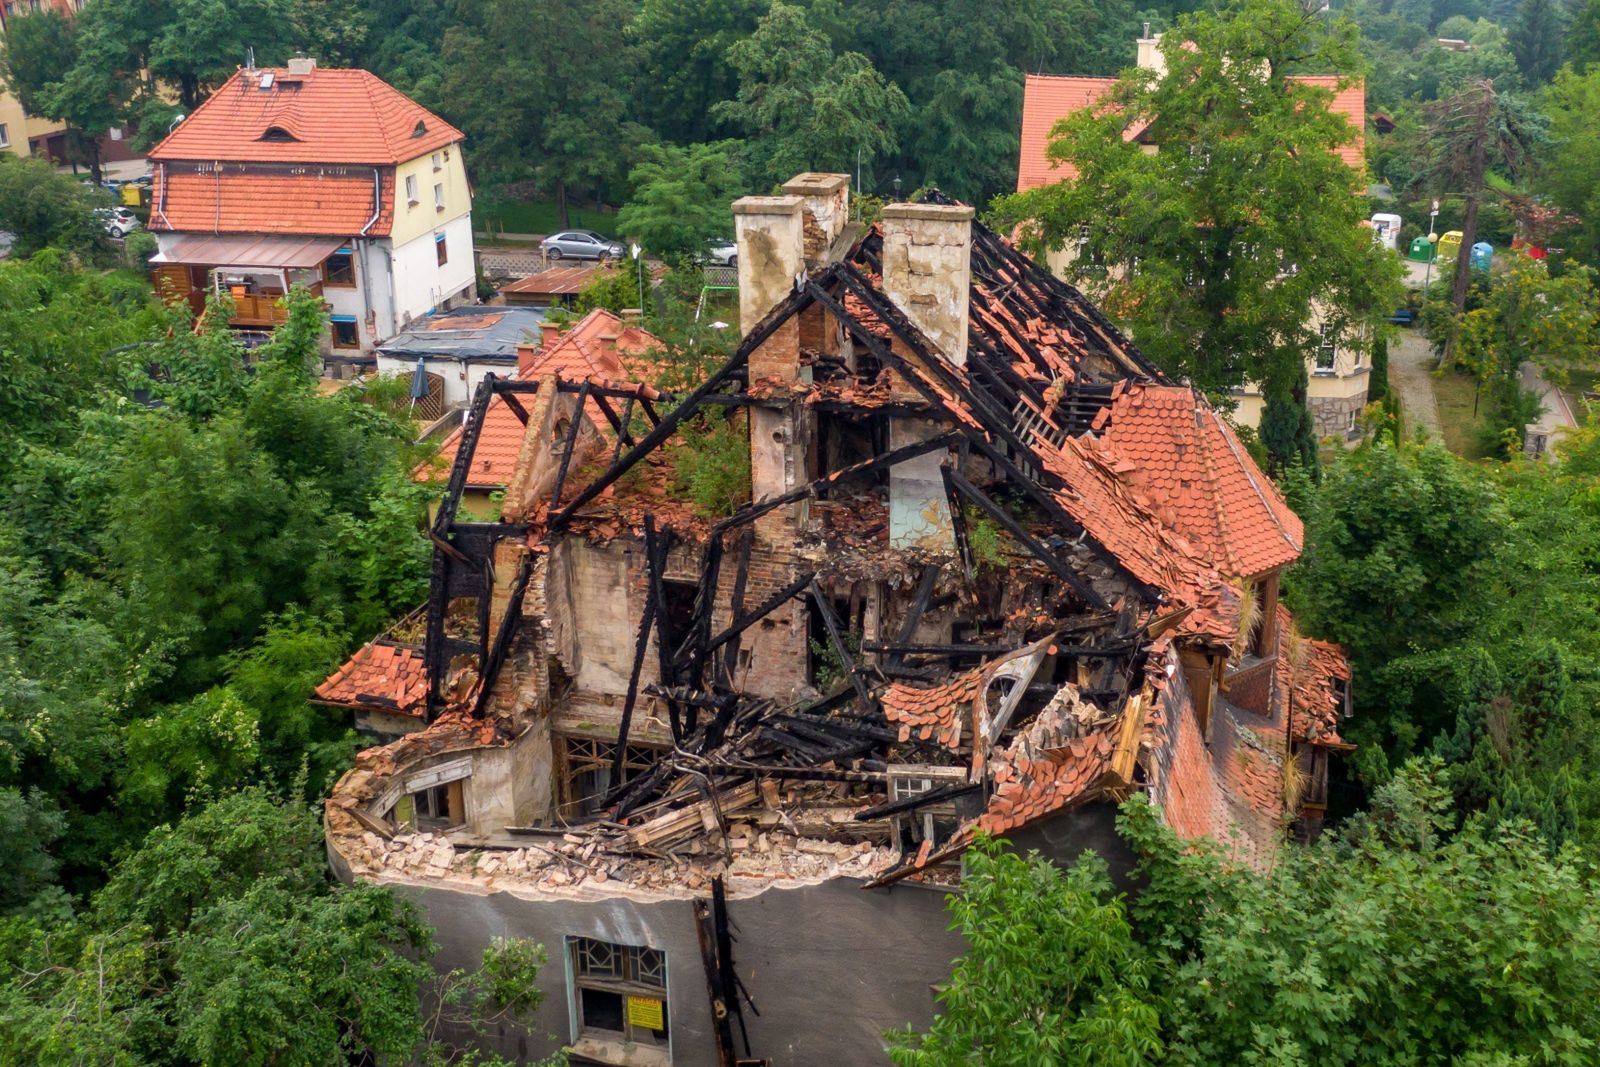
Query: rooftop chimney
pixel 1149 55
pixel 927 270
pixel 827 209
pixel 302 65
pixel 770 231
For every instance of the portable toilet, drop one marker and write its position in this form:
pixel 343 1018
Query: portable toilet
pixel 1421 249
pixel 1449 246
pixel 1482 256
pixel 1386 230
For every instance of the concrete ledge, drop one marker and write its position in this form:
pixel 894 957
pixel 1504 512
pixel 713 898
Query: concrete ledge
pixel 930 212
pixel 814 183
pixel 768 205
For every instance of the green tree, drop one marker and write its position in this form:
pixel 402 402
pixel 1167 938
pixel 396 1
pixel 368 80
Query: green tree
pixel 45 209
pixel 557 113
pixel 1052 972
pixel 1569 168
pixel 1397 940
pixel 1217 249
pixel 804 108
pixel 223 940
pixel 683 55
pixel 1528 316
pixel 41 62
pixel 1536 40
pixel 1583 37
pixel 680 197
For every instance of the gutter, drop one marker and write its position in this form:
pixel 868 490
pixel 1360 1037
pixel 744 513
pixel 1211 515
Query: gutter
pixel 161 204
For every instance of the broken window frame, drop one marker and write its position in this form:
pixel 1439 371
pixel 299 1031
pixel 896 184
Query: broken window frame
pixel 631 971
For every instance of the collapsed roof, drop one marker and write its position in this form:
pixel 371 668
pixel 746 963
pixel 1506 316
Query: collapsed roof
pixel 1124 634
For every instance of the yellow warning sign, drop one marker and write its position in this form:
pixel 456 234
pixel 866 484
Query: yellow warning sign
pixel 647 1012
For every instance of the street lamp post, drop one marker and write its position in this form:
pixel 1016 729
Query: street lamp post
pixel 634 250
pixel 1427 274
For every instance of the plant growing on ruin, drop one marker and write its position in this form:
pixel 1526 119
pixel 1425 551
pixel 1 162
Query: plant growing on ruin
pixel 712 464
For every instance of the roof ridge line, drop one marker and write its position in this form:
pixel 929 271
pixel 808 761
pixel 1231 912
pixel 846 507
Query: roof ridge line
pixel 1273 512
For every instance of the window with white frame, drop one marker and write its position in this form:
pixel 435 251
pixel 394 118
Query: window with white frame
pixel 5 136
pixel 619 992
pixel 438 163
pixel 438 196
pixel 411 188
pixel 1327 348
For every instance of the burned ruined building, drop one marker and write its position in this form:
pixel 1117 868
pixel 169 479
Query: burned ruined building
pixel 997 573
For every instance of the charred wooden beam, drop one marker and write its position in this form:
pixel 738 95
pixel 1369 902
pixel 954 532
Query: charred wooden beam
pixel 503 633
pixel 921 800
pixel 627 420
pixel 830 622
pixel 767 607
pixel 664 429
pixel 617 424
pixel 510 401
pixel 958 525
pixel 655 553
pixel 571 443
pixel 470 432
pixel 797 774
pixel 1027 540
pixel 721 1009
pixel 646 619
pixel 751 512
pixel 911 649
pixel 741 577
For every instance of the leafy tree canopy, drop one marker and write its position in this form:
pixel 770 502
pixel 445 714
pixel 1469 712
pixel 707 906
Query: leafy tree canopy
pixel 1217 248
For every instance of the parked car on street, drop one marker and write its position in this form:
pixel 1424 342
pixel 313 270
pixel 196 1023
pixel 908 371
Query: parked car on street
pixel 581 244
pixel 721 253
pixel 1403 317
pixel 118 221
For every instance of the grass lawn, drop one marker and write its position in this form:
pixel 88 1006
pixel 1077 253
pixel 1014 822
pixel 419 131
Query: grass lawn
pixel 494 211
pixel 1455 393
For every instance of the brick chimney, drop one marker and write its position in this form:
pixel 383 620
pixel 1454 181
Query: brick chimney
pixel 927 272
pixel 827 209
pixel 549 334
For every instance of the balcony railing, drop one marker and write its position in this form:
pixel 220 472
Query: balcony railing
pixel 262 309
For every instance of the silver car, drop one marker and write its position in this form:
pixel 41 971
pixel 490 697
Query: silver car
pixel 581 244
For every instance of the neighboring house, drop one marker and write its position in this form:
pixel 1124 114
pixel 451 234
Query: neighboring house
pixel 557 286
pixel 998 574
pixel 1338 376
pixel 457 348
pixel 331 179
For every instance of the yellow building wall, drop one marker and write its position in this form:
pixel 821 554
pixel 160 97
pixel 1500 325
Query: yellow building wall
pixel 415 219
pixel 15 122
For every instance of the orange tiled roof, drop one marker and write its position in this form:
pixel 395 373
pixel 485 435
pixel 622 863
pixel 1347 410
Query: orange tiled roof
pixel 1049 98
pixel 493 460
pixel 934 714
pixel 238 200
pixel 381 675
pixel 332 116
pixel 1317 706
pixel 1200 479
pixel 593 347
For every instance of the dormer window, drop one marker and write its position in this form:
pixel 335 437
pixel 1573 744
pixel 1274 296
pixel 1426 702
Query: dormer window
pixel 421 128
pixel 278 133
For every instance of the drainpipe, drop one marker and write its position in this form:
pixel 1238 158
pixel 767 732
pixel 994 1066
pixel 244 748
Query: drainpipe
pixel 161 203
pixel 377 209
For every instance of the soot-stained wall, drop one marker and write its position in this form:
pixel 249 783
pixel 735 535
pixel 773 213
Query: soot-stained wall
pixel 831 966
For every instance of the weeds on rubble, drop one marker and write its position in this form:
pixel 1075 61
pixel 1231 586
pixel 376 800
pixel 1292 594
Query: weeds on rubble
pixel 712 465
pixel 831 674
pixel 985 538
pixel 1249 616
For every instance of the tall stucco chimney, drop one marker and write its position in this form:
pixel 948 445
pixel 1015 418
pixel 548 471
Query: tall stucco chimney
pixel 770 233
pixel 302 65
pixel 927 270
pixel 827 209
